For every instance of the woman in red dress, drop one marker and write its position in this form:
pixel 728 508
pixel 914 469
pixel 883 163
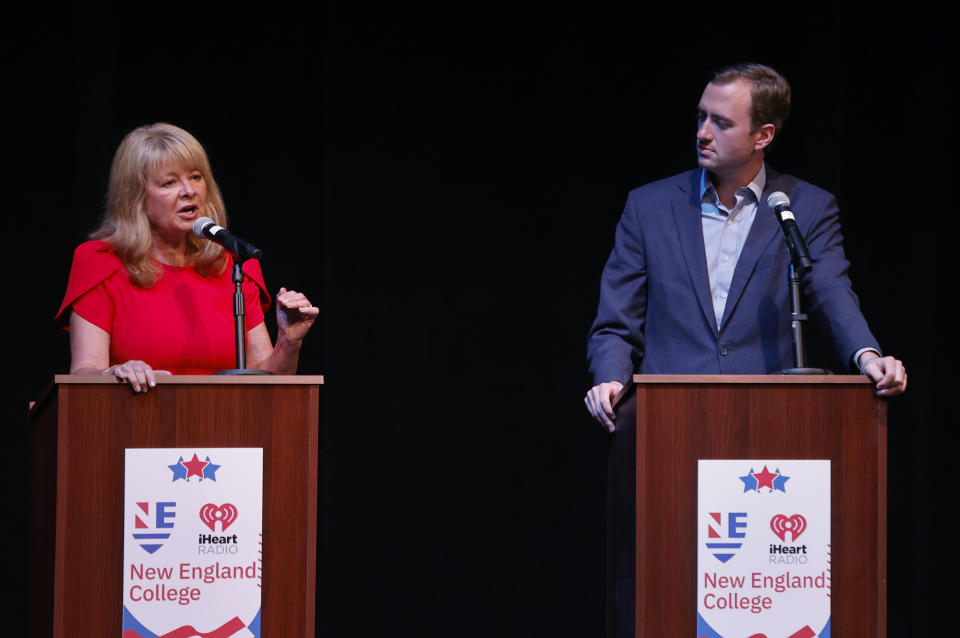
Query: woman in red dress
pixel 148 297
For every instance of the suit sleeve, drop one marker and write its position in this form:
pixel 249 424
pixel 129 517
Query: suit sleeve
pixel 827 289
pixel 615 345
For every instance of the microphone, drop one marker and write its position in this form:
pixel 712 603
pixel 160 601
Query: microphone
pixel 208 229
pixel 780 204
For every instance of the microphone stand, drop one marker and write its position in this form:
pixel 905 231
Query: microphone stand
pixel 239 325
pixel 796 326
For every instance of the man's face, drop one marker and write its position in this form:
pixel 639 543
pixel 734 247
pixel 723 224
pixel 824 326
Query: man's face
pixel 726 144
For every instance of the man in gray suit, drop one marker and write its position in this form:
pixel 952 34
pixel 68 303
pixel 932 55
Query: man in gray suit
pixel 696 282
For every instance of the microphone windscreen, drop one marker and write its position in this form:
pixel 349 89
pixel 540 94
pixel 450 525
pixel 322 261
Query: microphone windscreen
pixel 778 199
pixel 202 224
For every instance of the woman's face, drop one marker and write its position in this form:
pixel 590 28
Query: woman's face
pixel 176 197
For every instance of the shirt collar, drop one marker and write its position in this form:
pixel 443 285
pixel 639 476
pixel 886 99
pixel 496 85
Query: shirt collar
pixel 756 185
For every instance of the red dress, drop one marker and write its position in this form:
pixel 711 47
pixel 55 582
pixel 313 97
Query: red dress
pixel 183 323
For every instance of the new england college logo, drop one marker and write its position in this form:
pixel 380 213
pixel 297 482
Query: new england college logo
pixel 149 527
pixel 773 481
pixel 224 514
pixel 723 537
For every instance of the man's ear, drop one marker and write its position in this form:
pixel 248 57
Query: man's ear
pixel 765 136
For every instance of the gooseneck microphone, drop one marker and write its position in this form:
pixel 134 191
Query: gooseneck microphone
pixel 799 254
pixel 208 229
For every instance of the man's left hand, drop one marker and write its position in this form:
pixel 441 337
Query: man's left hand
pixel 888 374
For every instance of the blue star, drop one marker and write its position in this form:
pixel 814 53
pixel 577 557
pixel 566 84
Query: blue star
pixel 749 482
pixel 179 471
pixel 780 482
pixel 210 470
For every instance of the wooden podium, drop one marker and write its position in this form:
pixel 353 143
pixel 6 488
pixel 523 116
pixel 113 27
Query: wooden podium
pixel 665 423
pixel 80 430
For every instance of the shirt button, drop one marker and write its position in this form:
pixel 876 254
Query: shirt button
pixel 725 258
pixel 723 351
pixel 723 294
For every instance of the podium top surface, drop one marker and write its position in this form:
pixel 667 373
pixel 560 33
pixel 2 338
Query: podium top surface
pixel 173 380
pixel 756 379
pixel 198 379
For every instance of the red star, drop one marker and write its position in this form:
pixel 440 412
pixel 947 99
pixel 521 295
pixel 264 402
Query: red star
pixel 195 466
pixel 764 478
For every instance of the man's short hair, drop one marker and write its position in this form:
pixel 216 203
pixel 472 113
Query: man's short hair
pixel 769 93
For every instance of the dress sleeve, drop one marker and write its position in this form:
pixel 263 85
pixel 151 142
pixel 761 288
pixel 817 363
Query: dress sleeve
pixel 256 297
pixel 93 263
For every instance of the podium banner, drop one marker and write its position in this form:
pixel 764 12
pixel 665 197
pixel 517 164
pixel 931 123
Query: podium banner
pixel 763 549
pixel 192 541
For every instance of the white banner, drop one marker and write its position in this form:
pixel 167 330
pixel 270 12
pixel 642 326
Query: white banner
pixel 763 549
pixel 192 540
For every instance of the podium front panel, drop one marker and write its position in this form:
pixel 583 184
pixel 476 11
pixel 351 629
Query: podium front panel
pixel 83 447
pixel 652 482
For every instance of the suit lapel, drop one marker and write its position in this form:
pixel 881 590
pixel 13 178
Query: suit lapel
pixel 686 214
pixel 763 231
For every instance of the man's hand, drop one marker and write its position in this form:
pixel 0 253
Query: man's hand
pixel 888 373
pixel 599 403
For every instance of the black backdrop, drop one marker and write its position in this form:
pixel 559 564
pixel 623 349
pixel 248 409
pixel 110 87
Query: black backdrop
pixel 444 181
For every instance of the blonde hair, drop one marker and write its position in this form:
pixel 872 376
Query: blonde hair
pixel 125 225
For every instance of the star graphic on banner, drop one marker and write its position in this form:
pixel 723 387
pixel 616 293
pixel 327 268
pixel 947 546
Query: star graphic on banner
pixel 195 466
pixel 749 482
pixel 179 471
pixel 780 482
pixel 210 470
pixel 765 478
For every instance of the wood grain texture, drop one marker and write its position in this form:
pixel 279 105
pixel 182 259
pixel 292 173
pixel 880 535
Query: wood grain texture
pixel 197 379
pixel 97 421
pixel 765 417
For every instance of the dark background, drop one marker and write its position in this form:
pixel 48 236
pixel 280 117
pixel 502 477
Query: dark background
pixel 444 181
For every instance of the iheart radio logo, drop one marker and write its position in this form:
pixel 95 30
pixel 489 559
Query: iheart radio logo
pixel 783 525
pixel 224 514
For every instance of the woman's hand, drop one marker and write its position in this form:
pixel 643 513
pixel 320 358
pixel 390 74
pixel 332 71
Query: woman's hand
pixel 138 374
pixel 295 315
pixel 90 354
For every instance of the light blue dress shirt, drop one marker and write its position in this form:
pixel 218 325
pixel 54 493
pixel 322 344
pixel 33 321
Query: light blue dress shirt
pixel 725 233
